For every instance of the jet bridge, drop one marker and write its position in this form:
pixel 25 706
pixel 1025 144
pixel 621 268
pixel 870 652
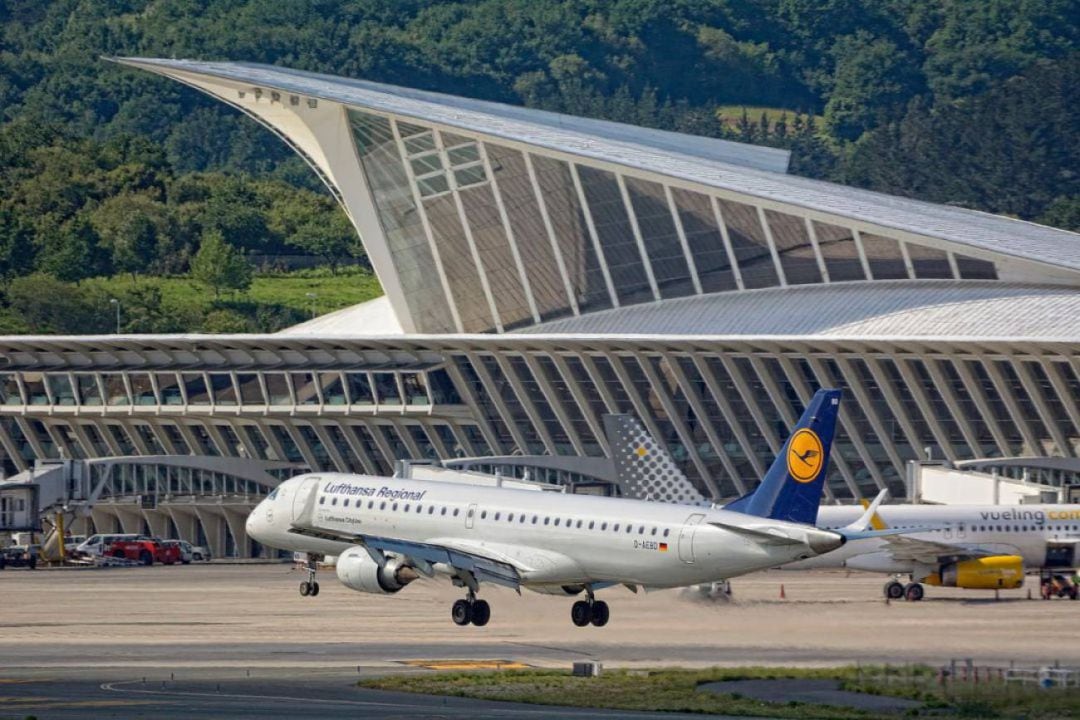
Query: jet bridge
pixel 204 500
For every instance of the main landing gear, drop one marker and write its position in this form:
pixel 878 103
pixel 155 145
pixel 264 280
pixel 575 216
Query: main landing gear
pixel 471 610
pixel 894 590
pixel 588 611
pixel 309 588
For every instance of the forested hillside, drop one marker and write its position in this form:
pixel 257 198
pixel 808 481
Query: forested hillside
pixel 108 172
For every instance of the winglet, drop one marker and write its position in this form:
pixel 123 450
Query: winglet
pixel 869 519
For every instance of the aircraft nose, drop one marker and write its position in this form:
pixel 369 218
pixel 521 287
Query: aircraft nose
pixel 253 526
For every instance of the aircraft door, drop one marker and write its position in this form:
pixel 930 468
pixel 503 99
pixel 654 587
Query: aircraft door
pixel 961 532
pixel 302 494
pixel 1062 554
pixel 470 516
pixel 686 538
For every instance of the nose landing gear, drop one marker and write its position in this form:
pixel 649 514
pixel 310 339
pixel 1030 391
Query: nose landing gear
pixel 471 610
pixel 588 611
pixel 310 588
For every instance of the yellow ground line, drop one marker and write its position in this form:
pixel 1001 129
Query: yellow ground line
pixel 466 664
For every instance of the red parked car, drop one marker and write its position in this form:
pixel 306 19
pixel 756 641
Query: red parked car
pixel 144 550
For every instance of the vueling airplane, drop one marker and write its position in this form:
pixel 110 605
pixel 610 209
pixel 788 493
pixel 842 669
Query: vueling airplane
pixel 387 532
pixel 986 547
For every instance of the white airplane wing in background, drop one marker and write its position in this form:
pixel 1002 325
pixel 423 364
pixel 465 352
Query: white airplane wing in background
pixel 905 548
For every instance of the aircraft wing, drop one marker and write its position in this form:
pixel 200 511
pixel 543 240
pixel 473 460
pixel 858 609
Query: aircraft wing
pixel 931 552
pixel 424 555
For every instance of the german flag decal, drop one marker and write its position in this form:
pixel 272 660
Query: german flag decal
pixel 663 547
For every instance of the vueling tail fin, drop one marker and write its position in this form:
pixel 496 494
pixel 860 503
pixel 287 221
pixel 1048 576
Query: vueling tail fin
pixel 643 467
pixel 792 487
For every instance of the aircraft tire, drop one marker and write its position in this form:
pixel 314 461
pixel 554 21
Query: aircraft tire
pixel 601 613
pixel 481 613
pixel 304 589
pixel 580 613
pixel 461 612
pixel 913 592
pixel 314 589
pixel 894 590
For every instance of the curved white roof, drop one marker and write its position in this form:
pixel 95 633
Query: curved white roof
pixel 727 166
pixel 928 308
pixel 374 317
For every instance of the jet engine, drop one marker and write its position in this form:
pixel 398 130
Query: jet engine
pixel 358 571
pixel 998 572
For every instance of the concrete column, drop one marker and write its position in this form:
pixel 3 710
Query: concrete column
pixel 186 521
pixel 213 523
pixel 130 518
pixel 236 519
pixel 158 520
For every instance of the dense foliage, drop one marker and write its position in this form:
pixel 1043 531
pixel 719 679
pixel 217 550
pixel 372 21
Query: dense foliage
pixel 107 170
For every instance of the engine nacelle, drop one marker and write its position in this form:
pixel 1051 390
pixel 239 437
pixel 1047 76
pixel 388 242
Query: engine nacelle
pixel 358 571
pixel 999 572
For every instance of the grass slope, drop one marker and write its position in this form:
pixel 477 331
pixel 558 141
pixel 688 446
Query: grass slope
pixel 672 690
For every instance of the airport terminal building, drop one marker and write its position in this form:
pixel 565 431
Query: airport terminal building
pixel 542 271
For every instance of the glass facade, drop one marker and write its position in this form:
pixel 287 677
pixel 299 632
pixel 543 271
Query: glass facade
pixel 490 238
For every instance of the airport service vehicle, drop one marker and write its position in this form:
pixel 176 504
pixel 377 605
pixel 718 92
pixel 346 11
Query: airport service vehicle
pixel 144 550
pixel 200 553
pixel 1058 585
pixel 19 556
pixel 183 550
pixel 97 545
pixel 387 532
pixel 985 547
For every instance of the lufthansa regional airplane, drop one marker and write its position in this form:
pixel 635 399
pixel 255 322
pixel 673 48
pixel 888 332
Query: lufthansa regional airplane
pixel 983 547
pixel 387 532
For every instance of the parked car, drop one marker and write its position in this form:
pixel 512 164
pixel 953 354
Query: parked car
pixel 73 541
pixel 144 550
pixel 184 549
pixel 97 545
pixel 19 556
pixel 200 553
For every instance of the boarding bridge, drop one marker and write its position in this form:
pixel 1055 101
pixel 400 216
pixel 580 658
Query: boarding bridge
pixel 204 500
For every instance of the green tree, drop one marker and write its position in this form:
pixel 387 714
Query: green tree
pixel 129 227
pixel 219 265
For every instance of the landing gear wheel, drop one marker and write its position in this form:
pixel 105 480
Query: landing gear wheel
pixel 305 589
pixel 481 613
pixel 894 590
pixel 581 613
pixel 314 589
pixel 913 592
pixel 462 612
pixel 600 613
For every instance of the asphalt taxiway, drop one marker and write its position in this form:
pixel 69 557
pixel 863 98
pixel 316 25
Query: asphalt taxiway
pixel 210 641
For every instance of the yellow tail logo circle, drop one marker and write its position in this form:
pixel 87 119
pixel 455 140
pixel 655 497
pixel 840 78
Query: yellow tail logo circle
pixel 805 455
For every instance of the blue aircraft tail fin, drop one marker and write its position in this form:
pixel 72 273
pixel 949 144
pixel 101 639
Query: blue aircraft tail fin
pixel 792 487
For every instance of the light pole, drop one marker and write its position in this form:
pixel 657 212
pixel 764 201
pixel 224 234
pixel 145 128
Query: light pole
pixel 311 296
pixel 116 303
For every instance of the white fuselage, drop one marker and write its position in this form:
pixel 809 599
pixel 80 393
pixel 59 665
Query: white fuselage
pixel 1024 530
pixel 553 539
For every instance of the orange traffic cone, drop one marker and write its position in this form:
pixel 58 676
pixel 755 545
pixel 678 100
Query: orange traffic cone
pixel 783 596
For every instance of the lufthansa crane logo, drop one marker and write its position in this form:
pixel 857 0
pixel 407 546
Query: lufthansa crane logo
pixel 805 455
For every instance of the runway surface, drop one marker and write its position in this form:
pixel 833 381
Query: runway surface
pixel 79 643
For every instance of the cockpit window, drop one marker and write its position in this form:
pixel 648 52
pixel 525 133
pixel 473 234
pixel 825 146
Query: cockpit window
pixel 273 494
